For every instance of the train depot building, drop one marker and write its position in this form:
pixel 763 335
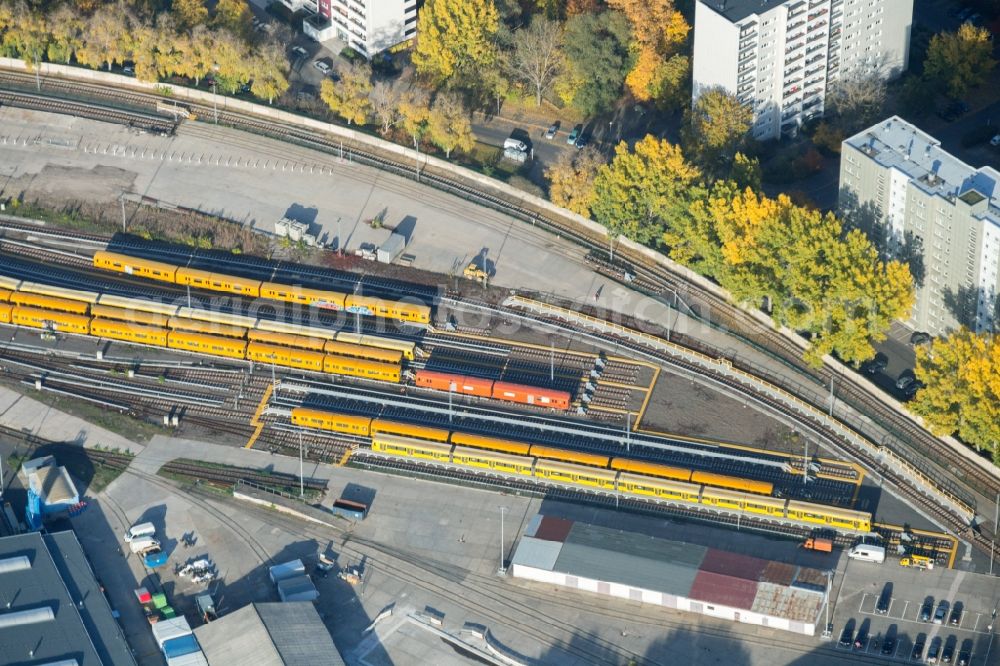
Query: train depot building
pixel 674 574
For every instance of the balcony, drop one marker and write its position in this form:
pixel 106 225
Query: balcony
pixel 746 57
pixel 793 58
pixel 791 91
pixel 801 33
pixel 816 15
pixel 747 44
pixel 788 72
pixel 746 78
pixel 813 71
pixel 795 26
pixel 814 49
pixel 813 82
pixel 797 10
pixel 790 103
pixel 819 25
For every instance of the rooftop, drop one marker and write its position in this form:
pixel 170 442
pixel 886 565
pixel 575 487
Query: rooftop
pixel 737 10
pixel 669 567
pixel 57 610
pixel 895 143
pixel 271 634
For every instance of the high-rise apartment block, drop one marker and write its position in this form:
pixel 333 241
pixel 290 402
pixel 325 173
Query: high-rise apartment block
pixel 782 57
pixel 923 205
pixel 367 26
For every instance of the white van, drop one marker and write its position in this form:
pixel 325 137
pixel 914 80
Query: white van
pixel 140 530
pixel 143 544
pixel 515 144
pixel 867 553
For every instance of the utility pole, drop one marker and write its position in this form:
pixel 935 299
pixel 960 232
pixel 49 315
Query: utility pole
pixel 38 75
pixel 628 432
pixel 451 387
pixel 805 460
pixel 122 200
pixel 302 483
pixel 552 360
pixel 189 295
pixel 831 395
pixel 502 570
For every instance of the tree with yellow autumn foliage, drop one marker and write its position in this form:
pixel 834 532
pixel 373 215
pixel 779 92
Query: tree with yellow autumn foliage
pixel 659 31
pixel 960 60
pixel 456 41
pixel 714 128
pixel 571 179
pixel 349 97
pixel 961 393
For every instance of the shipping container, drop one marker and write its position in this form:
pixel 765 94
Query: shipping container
pixel 121 263
pixel 349 510
pixel 443 381
pixel 280 572
pixel 531 395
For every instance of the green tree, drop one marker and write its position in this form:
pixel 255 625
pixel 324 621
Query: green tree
pixel 692 238
pixel 960 60
pixel 641 191
pixel 455 40
pixel 571 179
pixel 961 394
pixel 597 53
pixel 745 172
pixel 714 128
pixel 349 98
pixel 448 125
pixel 189 13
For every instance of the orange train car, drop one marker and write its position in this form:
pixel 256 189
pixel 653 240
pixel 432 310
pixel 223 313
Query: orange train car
pixel 147 268
pixel 565 455
pixel 65 322
pixel 531 395
pixel 408 430
pixel 285 356
pixel 218 282
pixel 651 469
pixel 490 443
pixel 318 418
pixel 286 339
pixel 131 316
pixel 48 302
pixel 121 330
pixel 361 367
pixel 443 381
pixel 732 482
pixel 207 344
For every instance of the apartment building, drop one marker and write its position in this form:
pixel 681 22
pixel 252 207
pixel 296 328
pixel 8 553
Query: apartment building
pixel 367 26
pixel 782 57
pixel 927 206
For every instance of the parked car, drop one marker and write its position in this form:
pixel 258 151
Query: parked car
pixel 917 652
pixel 905 378
pixel 582 141
pixel 948 653
pixel 927 609
pixel 941 612
pixel 884 600
pixel 322 66
pixel 299 51
pixel 919 337
pixel 574 135
pixel 877 364
pixel 995 141
pixel 955 618
pixel 889 643
pixel 847 635
pixel 965 654
pixel 128 70
pixel 550 133
pixel 934 651
pixel 861 640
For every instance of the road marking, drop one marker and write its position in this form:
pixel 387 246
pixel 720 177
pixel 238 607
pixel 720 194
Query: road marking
pixel 862 604
pixel 976 625
pixel 902 616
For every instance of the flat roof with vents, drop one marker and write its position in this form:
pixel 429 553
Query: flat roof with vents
pixel 58 613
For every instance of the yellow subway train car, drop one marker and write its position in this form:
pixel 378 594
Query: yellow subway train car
pixel 128 332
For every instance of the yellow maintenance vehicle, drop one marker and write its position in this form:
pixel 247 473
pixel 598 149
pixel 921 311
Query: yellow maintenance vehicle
pixel 917 561
pixel 475 272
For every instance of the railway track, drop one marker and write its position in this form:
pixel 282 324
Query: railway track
pixel 229 476
pixel 903 435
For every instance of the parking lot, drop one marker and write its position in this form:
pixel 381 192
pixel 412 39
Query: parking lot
pixel 949 614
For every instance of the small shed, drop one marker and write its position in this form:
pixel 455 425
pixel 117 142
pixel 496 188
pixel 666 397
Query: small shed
pixel 52 485
pixel 391 248
pixel 280 572
pixel 297 588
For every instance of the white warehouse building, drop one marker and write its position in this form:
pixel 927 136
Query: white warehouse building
pixel 782 57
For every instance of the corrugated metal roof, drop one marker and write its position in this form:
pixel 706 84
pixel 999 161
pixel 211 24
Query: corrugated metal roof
pixel 787 602
pixel 271 634
pixel 641 545
pixel 618 566
pixel 810 578
pixel 778 573
pixel 537 553
pixel 736 565
pixel 553 529
pixel 725 590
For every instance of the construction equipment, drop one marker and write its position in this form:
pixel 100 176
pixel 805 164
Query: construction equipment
pixel 325 565
pixel 917 561
pixel 475 272
pixel 819 544
pixel 352 575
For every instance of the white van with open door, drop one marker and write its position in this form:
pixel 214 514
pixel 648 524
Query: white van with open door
pixel 139 531
pixel 867 553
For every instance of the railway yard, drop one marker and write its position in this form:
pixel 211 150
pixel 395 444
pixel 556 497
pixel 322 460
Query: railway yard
pixel 449 410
